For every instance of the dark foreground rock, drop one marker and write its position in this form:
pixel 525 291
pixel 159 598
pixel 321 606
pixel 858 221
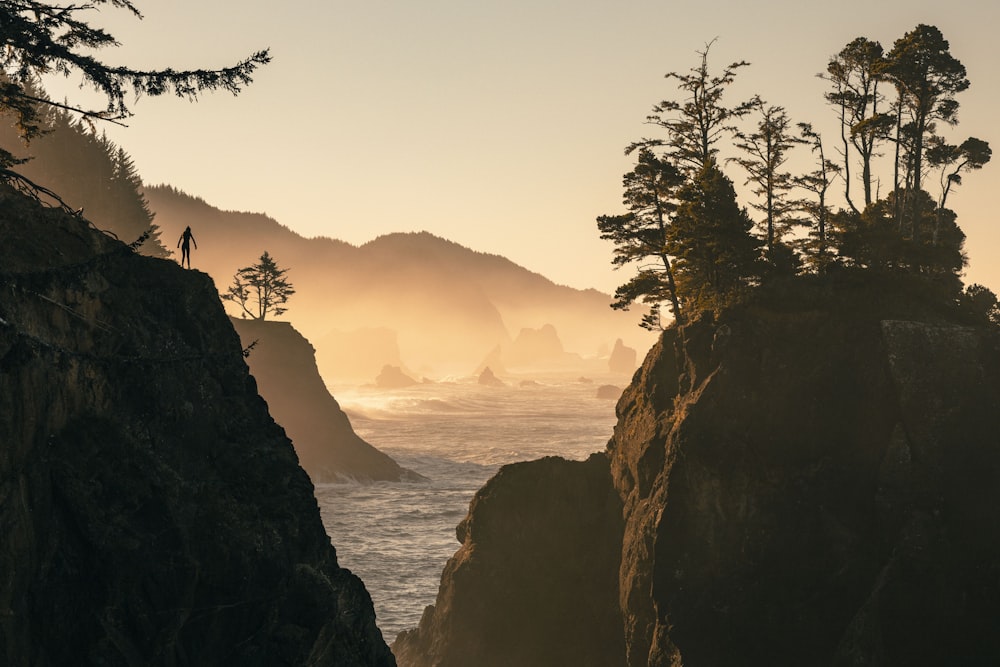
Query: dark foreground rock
pixel 811 486
pixel 812 489
pixel 535 582
pixel 151 511
pixel 284 365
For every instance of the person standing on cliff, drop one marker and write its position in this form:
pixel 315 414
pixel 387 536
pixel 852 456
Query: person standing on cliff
pixel 184 243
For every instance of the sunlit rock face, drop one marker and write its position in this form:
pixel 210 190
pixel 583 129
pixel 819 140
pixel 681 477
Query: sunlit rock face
pixel 535 581
pixel 152 512
pixel 798 486
pixel 284 365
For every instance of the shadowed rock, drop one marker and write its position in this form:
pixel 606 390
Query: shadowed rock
pixel 283 363
pixel 811 485
pixel 152 512
pixel 535 581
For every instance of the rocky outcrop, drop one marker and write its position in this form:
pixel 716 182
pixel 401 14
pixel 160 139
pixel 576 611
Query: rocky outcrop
pixel 393 377
pixel 811 488
pixel 284 365
pixel 535 350
pixel 535 581
pixel 152 512
pixel 622 359
pixel 489 379
pixel 799 486
pixel 609 392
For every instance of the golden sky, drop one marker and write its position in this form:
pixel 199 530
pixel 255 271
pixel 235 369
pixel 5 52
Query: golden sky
pixel 498 125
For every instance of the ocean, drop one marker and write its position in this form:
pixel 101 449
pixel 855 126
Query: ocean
pixel 398 536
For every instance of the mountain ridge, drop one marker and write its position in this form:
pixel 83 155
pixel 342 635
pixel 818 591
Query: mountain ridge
pixel 448 304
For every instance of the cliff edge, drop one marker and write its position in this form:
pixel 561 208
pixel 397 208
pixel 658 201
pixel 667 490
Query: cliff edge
pixel 284 365
pixel 152 511
pixel 809 484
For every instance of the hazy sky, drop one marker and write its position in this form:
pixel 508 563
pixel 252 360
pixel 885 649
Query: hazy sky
pixel 499 125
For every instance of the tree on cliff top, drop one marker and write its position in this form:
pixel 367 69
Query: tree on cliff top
pixel 40 38
pixel 261 286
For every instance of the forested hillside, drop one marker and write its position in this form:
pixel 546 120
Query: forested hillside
pixel 448 305
pixel 86 171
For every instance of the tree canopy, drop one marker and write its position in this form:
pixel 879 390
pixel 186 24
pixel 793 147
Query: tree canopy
pixel 696 248
pixel 41 38
pixel 260 289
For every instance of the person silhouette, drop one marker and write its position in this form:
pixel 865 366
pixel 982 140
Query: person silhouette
pixel 184 243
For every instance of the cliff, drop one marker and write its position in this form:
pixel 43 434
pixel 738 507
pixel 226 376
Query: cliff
pixel 152 512
pixel 809 485
pixel 284 365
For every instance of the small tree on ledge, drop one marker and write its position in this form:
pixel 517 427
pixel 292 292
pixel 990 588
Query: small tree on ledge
pixel 261 287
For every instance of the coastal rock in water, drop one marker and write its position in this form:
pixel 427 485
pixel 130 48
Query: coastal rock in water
pixel 622 359
pixel 812 486
pixel 535 583
pixel 283 363
pixel 534 346
pixel 534 349
pixel 152 512
pixel 488 379
pixel 393 377
pixel 609 392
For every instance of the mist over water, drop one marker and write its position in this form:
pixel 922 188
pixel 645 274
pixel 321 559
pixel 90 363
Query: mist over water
pixel 398 536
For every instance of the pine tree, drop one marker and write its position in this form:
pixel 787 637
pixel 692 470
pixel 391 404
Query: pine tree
pixel 855 74
pixel 817 206
pixel 765 153
pixel 40 37
pixel 927 79
pixel 717 256
pixel 640 236
pixel 260 289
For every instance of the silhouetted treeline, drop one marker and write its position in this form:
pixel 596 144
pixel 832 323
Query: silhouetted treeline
pixel 875 203
pixel 88 171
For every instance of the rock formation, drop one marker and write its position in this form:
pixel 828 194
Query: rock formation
pixel 489 379
pixel 811 485
pixel 536 350
pixel 393 377
pixel 152 512
pixel 622 359
pixel 535 583
pixel 609 392
pixel 284 365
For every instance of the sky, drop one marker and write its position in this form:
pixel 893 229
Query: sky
pixel 497 125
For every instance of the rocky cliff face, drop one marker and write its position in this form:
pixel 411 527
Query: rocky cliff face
pixel 151 510
pixel 284 365
pixel 535 581
pixel 811 488
pixel 799 487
